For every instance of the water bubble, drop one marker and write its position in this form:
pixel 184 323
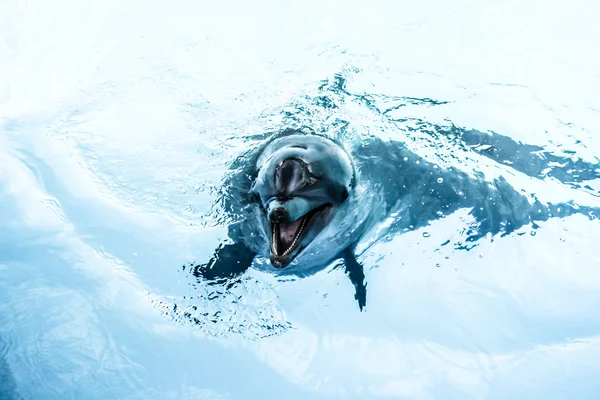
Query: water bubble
pixel 439 213
pixel 440 180
pixel 532 233
pixel 388 237
pixel 460 193
pixel 426 234
pixel 405 158
pixel 437 265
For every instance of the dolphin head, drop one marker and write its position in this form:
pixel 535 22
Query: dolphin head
pixel 301 183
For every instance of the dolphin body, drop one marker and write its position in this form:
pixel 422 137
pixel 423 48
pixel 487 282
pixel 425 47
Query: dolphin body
pixel 302 200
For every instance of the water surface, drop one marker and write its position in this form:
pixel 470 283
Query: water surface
pixel 118 123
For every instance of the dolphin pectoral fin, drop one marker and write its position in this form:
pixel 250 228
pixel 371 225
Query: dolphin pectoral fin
pixel 228 261
pixel 356 273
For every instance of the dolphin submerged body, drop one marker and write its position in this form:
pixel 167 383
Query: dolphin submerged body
pixel 302 201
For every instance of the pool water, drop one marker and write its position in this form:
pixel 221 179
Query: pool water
pixel 119 121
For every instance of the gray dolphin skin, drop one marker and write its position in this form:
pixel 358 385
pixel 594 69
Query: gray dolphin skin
pixel 301 184
pixel 303 201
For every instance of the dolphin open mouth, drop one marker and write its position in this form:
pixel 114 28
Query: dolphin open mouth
pixel 286 237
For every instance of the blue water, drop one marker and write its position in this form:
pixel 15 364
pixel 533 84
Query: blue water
pixel 118 123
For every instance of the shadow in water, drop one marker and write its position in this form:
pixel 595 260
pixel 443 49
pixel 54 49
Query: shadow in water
pixel 421 192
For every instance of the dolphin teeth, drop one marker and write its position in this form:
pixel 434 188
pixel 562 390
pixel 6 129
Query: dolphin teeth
pixel 274 241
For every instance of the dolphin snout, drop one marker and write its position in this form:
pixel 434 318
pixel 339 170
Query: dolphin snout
pixel 279 215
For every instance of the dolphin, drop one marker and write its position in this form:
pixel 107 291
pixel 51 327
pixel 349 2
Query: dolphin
pixel 303 200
